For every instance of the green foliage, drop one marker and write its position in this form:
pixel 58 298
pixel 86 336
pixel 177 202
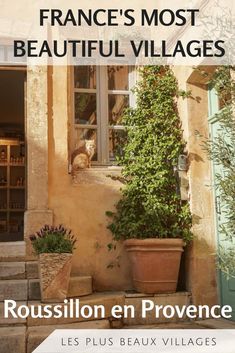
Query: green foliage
pixel 185 94
pixel 226 261
pixel 222 152
pixel 53 240
pixel 150 206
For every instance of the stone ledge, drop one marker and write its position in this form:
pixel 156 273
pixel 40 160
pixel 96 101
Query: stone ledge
pixel 133 294
pixel 106 299
pixel 12 270
pixel 221 324
pixel 102 175
pixel 14 289
pixel 12 251
pixel 13 339
pixel 183 325
pixel 178 298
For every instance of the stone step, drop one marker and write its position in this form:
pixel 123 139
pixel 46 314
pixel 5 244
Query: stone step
pixel 12 339
pixel 220 324
pixel 11 320
pixel 12 251
pixel 182 325
pixel 108 300
pixel 37 334
pixel 78 286
pixel 16 289
pixel 32 270
pixel 12 270
pixel 178 298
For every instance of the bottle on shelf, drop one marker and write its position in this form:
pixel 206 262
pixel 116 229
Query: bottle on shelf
pixel 3 156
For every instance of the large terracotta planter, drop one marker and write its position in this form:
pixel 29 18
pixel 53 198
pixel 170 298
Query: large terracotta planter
pixel 155 264
pixel 54 273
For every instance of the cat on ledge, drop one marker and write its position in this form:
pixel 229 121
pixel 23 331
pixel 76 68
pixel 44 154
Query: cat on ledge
pixel 82 156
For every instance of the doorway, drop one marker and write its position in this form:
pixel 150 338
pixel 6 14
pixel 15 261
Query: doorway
pixel 226 285
pixel 12 154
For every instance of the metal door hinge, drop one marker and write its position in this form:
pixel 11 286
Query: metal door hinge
pixel 218 205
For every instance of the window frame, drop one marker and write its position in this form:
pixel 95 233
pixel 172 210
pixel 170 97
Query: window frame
pixel 6 54
pixel 102 126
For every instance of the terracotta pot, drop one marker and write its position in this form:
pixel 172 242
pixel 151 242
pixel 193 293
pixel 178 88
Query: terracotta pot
pixel 54 273
pixel 155 264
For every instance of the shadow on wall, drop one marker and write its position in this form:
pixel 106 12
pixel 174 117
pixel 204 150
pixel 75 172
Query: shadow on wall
pixel 80 203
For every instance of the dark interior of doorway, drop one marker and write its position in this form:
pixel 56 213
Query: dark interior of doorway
pixel 12 155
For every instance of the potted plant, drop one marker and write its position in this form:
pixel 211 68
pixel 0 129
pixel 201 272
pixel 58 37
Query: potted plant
pixel 54 245
pixel 150 216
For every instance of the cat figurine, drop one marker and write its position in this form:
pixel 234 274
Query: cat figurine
pixel 82 156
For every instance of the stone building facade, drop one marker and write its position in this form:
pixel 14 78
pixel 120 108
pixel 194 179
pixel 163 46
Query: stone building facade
pixel 80 202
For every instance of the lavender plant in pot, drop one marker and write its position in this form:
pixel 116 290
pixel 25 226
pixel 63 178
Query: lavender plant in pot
pixel 54 246
pixel 150 217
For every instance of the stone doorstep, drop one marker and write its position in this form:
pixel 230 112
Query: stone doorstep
pixel 216 324
pixel 183 325
pixel 133 294
pixel 12 251
pixel 178 298
pixel 37 334
pixel 108 299
pixel 12 270
pixel 13 339
pixel 16 289
pixel 78 286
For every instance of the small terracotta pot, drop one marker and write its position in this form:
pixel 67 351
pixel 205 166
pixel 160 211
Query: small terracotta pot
pixel 155 264
pixel 54 273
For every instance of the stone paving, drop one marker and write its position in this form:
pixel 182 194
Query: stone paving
pixel 219 324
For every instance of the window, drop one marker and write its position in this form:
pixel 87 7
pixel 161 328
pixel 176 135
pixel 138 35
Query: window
pixel 7 55
pixel 101 94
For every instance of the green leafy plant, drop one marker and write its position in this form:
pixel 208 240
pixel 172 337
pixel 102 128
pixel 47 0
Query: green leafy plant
pixel 53 240
pixel 150 206
pixel 222 152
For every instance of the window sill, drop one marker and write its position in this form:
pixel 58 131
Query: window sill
pixel 106 175
pixel 102 167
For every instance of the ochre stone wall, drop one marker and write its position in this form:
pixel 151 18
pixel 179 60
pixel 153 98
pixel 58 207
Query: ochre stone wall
pixel 37 213
pixel 200 260
pixel 81 203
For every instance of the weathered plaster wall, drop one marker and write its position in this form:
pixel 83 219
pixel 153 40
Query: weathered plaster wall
pixel 81 204
pixel 200 260
pixel 37 213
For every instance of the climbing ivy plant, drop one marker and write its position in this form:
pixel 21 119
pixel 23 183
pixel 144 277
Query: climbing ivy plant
pixel 222 152
pixel 150 206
